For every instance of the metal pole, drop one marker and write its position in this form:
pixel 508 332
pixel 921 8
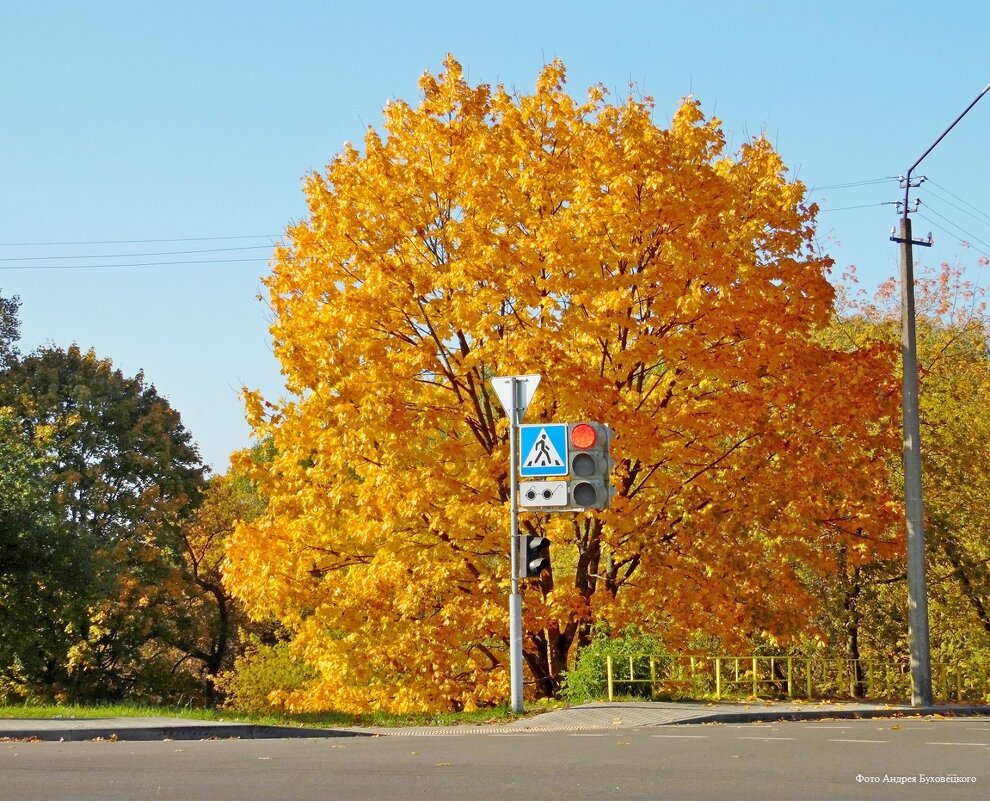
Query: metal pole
pixel 515 600
pixel 921 677
pixel 921 674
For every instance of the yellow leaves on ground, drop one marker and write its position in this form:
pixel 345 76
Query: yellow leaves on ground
pixel 656 282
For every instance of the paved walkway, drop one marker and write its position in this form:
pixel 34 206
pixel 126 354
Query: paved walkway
pixel 153 729
pixel 601 716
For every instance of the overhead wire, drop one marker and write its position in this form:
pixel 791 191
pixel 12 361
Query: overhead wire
pixel 985 220
pixel 136 241
pixel 968 237
pixel 853 184
pixel 957 225
pixel 133 264
pixel 76 256
pixel 964 202
pixel 847 208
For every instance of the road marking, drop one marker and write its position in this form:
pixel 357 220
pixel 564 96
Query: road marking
pixel 766 738
pixel 750 726
pixel 858 741
pixel 840 728
pixel 982 745
pixel 589 735
pixel 682 736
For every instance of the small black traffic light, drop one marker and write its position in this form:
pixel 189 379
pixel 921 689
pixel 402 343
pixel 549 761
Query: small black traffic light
pixel 589 465
pixel 535 556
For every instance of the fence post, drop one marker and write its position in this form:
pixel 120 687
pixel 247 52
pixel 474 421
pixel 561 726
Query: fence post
pixel 653 677
pixel 807 676
pixel 718 677
pixel 608 673
pixel 790 676
pixel 756 691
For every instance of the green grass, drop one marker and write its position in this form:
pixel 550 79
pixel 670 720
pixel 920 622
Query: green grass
pixel 501 714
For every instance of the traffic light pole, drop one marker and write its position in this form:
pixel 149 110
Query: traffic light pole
pixel 514 393
pixel 515 599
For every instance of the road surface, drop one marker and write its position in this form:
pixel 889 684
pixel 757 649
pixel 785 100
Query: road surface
pixel 903 759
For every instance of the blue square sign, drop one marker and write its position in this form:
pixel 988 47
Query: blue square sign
pixel 543 449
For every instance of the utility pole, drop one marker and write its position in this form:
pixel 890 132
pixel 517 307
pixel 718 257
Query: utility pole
pixel 914 508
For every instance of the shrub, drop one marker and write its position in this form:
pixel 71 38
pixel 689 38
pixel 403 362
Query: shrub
pixel 589 680
pixel 258 673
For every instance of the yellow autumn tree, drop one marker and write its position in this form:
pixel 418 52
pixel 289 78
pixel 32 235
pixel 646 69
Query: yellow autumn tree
pixel 657 283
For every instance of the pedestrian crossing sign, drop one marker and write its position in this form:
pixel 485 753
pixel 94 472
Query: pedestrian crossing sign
pixel 543 449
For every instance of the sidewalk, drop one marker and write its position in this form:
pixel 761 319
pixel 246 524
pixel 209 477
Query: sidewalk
pixel 73 729
pixel 587 717
pixel 632 714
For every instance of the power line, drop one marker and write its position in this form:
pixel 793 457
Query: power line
pixel 852 184
pixel 955 234
pixel 847 208
pixel 957 225
pixel 964 202
pixel 135 241
pixel 133 255
pixel 981 217
pixel 134 264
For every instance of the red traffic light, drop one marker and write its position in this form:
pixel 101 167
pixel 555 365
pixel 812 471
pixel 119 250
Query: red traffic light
pixel 583 436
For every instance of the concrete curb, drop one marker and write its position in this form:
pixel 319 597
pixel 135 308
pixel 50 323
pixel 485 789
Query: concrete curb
pixel 123 730
pixel 769 715
pixel 595 717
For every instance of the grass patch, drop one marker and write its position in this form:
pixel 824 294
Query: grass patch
pixel 495 715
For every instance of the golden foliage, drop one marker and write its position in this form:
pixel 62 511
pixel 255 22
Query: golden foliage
pixel 656 282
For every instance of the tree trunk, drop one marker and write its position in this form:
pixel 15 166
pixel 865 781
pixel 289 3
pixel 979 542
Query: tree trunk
pixel 964 573
pixel 853 617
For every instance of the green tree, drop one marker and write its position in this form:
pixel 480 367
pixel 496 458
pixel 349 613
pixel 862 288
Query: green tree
pixel 124 476
pixel 9 329
pixel 39 574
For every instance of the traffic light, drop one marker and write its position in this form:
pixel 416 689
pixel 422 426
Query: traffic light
pixel 535 556
pixel 589 465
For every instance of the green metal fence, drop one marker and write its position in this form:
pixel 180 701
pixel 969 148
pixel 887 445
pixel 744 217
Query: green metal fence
pixel 703 676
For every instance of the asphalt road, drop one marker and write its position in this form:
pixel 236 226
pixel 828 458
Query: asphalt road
pixel 865 759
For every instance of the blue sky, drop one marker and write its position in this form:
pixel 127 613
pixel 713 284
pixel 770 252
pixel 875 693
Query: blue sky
pixel 197 121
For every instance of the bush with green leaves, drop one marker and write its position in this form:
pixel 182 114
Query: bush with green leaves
pixel 588 680
pixel 261 671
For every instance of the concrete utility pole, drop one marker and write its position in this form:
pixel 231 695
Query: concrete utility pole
pixel 914 507
pixel 921 671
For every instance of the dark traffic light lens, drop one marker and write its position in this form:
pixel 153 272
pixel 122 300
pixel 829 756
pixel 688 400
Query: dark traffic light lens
pixel 583 465
pixel 584 494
